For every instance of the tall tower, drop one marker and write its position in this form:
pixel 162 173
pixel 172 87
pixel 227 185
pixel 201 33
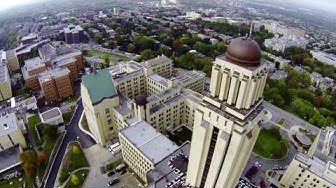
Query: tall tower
pixel 226 123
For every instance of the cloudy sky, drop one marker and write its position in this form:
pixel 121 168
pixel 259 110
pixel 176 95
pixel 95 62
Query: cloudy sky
pixel 5 4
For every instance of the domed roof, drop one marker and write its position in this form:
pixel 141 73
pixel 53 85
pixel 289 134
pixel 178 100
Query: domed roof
pixel 140 100
pixel 245 51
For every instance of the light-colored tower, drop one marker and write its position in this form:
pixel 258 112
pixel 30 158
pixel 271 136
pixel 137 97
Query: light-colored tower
pixel 226 124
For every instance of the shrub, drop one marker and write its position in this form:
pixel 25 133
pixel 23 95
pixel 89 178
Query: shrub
pixel 75 150
pixel 74 179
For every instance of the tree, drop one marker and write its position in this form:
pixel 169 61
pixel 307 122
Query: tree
pixel 147 54
pixel 49 132
pixel 130 48
pixel 98 38
pixel 29 162
pixel 74 179
pixel 106 61
pixel 42 158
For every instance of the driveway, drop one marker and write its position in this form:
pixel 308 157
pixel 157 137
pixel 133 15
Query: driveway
pixel 98 156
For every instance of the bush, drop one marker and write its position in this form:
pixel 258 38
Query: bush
pixel 74 179
pixel 63 176
pixel 75 150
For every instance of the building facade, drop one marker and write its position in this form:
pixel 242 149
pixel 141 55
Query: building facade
pixel 98 102
pixel 226 123
pixel 317 168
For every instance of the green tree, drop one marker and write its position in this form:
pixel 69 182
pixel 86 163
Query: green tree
pixel 74 179
pixel 147 54
pixel 49 132
pixel 98 38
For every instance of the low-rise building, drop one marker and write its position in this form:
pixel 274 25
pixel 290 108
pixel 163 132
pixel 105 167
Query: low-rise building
pixel 281 43
pixel 11 132
pixel 317 168
pixel 143 147
pixel 329 59
pixel 52 117
pixel 10 162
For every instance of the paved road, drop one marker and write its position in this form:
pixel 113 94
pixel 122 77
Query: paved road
pixel 71 135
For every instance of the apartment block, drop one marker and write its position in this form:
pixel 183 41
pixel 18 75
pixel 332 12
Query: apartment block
pixel 56 84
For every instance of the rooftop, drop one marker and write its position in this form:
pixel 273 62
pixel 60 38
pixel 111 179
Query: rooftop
pixel 326 146
pixel 33 63
pixel 8 124
pixel 149 141
pixel 4 76
pixel 53 74
pixel 157 60
pixel 170 168
pixel 100 81
pixel 9 158
pixel 50 114
pixel 159 79
pixel 10 54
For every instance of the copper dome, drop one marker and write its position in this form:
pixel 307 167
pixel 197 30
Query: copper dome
pixel 140 100
pixel 245 51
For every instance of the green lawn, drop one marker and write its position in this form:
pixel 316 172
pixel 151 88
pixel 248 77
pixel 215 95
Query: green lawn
pixel 72 162
pixel 16 183
pixel 81 178
pixel 270 144
pixel 113 57
pixel 180 135
pixel 67 116
pixel 32 122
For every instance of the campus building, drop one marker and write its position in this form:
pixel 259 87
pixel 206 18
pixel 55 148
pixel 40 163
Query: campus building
pixel 143 147
pixel 72 34
pixel 226 123
pixel 317 168
pixel 53 72
pixel 11 132
pixel 99 96
pixel 5 81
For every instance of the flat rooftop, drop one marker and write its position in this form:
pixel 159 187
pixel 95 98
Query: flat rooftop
pixel 8 124
pixel 9 158
pixel 33 63
pixel 155 61
pixel 53 74
pixel 326 146
pixel 50 114
pixel 4 76
pixel 159 79
pixel 149 141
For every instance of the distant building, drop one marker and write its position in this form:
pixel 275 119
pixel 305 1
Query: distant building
pixel 143 147
pixel 276 28
pixel 52 117
pixel 281 43
pixel 11 132
pixel 5 81
pixel 317 168
pixel 12 61
pixel 329 59
pixel 73 34
pixel 99 96
pixel 193 15
pixel 29 39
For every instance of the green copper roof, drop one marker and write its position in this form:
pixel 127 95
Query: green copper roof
pixel 99 85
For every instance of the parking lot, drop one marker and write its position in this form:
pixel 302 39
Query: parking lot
pixel 97 157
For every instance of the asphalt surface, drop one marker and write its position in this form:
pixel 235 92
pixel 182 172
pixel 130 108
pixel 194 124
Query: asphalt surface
pixel 72 133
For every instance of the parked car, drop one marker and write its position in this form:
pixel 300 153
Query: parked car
pixel 114 181
pixel 111 173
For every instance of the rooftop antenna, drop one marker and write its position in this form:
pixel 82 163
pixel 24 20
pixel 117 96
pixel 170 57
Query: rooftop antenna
pixel 251 29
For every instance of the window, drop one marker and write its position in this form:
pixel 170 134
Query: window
pixel 107 110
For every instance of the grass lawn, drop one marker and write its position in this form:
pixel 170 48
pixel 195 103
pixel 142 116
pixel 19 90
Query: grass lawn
pixel 67 116
pixel 270 144
pixel 16 183
pixel 113 57
pixel 72 162
pixel 32 122
pixel 180 135
pixel 81 179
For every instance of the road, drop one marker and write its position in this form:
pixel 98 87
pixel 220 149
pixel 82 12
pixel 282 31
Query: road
pixel 71 135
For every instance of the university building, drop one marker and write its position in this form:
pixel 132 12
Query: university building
pixel 225 122
pixel 317 168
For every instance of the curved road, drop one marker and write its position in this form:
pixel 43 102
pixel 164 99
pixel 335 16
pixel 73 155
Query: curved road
pixel 71 135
